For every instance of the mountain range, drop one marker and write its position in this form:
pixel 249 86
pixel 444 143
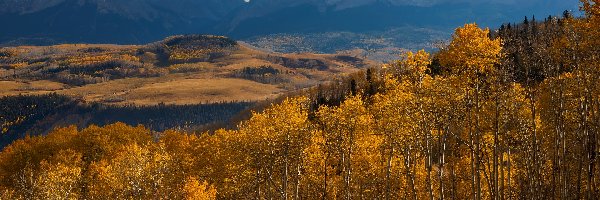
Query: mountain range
pixel 142 21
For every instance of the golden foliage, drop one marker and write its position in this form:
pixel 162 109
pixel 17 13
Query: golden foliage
pixel 471 50
pixel 85 59
pixel 194 190
pixel 463 135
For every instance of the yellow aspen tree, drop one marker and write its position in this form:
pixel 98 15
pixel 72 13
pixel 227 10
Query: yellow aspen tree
pixel 446 111
pixel 392 121
pixel 194 190
pixel 282 132
pixel 343 126
pixel 393 111
pixel 60 176
pixel 316 168
pixel 588 45
pixel 472 55
pixel 225 159
pixel 178 157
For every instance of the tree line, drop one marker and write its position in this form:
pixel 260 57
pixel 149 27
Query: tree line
pixel 38 114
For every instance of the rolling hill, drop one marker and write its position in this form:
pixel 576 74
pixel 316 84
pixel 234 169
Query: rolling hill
pixel 179 70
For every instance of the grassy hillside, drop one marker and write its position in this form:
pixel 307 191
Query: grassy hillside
pixel 178 70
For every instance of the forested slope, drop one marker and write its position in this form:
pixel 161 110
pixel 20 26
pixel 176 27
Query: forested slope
pixel 35 115
pixel 485 118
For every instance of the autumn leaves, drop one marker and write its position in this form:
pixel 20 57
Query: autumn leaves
pixel 468 132
pixel 416 140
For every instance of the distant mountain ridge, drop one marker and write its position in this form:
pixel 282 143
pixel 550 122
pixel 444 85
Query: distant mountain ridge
pixel 142 21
